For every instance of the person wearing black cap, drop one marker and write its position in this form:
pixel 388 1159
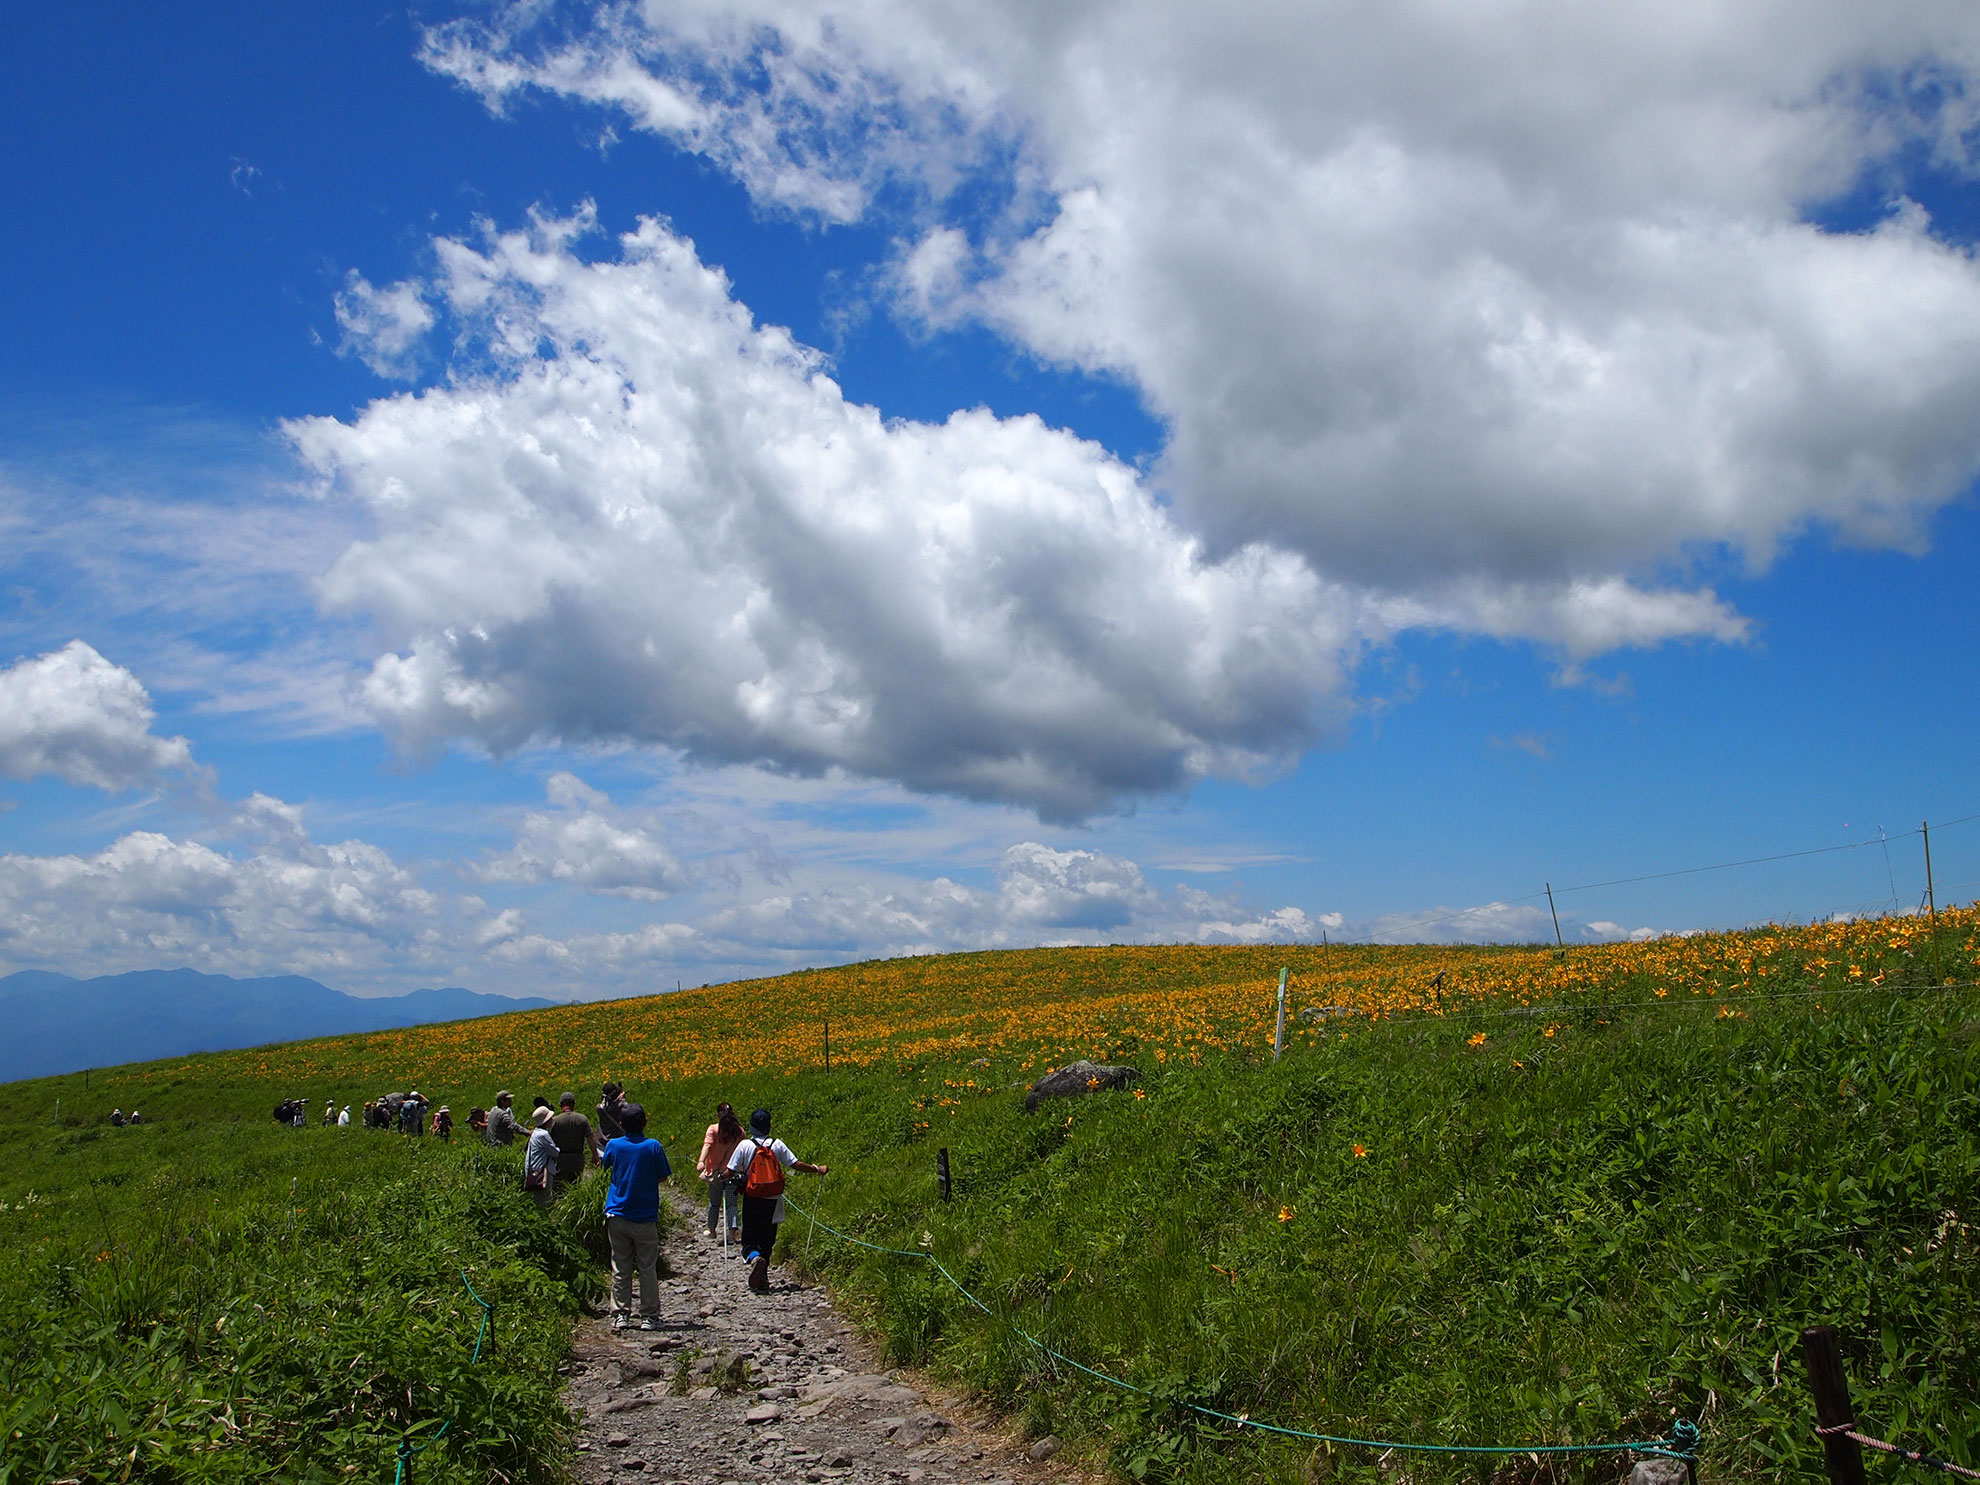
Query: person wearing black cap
pixel 637 1166
pixel 761 1162
pixel 610 1113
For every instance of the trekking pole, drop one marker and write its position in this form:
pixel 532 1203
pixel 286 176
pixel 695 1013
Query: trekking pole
pixel 817 1204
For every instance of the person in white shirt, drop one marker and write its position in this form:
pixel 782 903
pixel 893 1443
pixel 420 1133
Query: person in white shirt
pixel 761 1162
pixel 540 1161
pixel 344 1119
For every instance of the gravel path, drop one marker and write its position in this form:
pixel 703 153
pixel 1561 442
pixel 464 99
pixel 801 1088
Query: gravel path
pixel 746 1388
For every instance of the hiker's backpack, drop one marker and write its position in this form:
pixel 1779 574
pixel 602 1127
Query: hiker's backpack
pixel 765 1177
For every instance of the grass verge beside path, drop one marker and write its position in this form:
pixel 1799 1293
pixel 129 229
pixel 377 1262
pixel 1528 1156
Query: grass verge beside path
pixel 231 1302
pixel 1529 1231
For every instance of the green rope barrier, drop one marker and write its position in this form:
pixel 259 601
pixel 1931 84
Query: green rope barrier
pixel 407 1449
pixel 1680 1443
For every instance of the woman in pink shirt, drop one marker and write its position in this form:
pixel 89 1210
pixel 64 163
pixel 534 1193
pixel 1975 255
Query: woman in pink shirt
pixel 721 1141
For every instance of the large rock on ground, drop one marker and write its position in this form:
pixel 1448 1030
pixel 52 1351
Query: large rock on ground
pixel 922 1428
pixel 868 1387
pixel 1076 1078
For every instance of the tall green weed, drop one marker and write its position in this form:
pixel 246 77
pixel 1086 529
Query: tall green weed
pixel 231 1302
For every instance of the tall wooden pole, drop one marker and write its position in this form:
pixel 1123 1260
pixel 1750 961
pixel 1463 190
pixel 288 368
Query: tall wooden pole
pixel 942 1172
pixel 1931 897
pixel 828 1045
pixel 1279 1036
pixel 1559 943
pixel 1841 1454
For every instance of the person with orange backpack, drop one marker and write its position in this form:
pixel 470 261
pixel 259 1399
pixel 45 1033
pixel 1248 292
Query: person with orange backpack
pixel 760 1162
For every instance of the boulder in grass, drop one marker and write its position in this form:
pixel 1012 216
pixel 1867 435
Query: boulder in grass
pixel 1076 1078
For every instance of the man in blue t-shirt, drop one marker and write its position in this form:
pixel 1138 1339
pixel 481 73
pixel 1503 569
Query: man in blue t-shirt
pixel 636 1166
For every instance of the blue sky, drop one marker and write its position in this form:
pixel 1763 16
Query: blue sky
pixel 574 499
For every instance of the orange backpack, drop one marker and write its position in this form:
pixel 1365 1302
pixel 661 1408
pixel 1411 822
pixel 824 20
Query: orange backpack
pixel 765 1177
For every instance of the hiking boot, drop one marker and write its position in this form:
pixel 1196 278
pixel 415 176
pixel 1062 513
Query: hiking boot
pixel 649 1322
pixel 620 1320
pixel 759 1274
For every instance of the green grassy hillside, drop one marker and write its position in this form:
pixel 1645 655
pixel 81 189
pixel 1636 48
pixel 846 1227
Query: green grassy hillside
pixel 1549 1238
pixel 1562 1223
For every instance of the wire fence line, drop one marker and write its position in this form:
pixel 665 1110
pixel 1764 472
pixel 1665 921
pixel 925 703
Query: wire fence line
pixel 408 1449
pixel 1882 839
pixel 1691 871
pixel 1911 1456
pixel 1680 1442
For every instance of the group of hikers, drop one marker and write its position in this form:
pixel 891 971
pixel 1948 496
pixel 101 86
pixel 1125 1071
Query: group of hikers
pixel 744 1171
pixel 743 1168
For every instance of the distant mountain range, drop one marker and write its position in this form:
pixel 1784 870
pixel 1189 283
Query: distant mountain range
pixel 56 1024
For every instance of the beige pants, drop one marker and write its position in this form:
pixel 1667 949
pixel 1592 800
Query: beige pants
pixel 634 1244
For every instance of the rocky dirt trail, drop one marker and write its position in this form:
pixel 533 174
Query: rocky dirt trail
pixel 741 1387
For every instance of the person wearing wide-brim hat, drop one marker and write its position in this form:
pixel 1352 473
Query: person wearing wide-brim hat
pixel 761 1162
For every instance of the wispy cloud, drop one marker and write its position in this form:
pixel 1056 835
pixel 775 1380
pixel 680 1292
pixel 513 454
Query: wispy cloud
pixel 1535 744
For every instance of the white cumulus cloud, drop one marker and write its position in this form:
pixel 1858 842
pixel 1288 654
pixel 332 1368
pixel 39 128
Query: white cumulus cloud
pixel 75 715
pixel 294 906
pixel 1499 310
pixel 588 844
pixel 649 519
pixel 1041 895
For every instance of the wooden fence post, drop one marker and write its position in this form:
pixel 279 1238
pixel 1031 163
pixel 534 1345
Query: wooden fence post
pixel 1841 1454
pixel 942 1172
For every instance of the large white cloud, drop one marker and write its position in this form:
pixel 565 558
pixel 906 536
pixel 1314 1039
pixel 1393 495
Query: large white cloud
pixel 75 715
pixel 1515 296
pixel 646 518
